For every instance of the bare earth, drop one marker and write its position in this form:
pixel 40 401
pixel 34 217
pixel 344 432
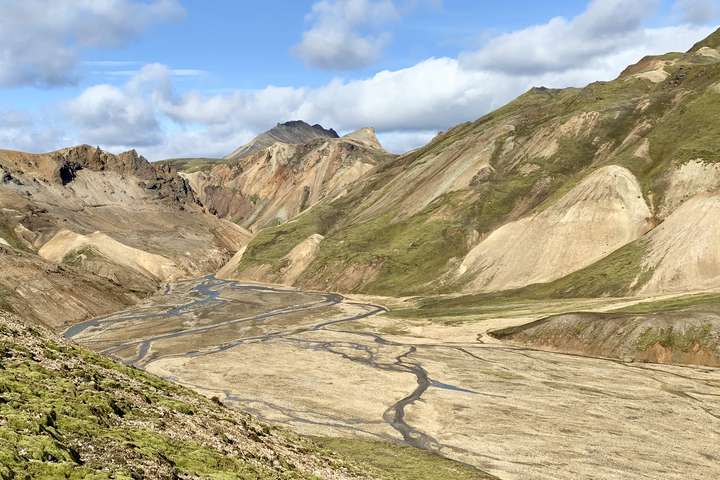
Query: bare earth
pixel 324 365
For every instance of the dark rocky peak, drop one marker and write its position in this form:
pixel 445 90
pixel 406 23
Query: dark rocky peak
pixel 294 132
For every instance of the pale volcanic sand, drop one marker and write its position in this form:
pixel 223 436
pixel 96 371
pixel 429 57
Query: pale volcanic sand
pixel 684 251
pixel 314 392
pixel 516 412
pixel 65 242
pixel 601 214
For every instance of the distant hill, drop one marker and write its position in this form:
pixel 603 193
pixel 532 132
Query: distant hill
pixel 295 132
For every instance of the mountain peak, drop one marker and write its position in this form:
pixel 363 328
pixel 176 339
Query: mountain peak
pixel 294 132
pixel 365 136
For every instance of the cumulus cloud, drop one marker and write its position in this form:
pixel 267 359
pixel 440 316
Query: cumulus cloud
pixel 698 12
pixel 605 27
pixel 21 131
pixel 40 39
pixel 109 115
pixel 407 106
pixel 338 38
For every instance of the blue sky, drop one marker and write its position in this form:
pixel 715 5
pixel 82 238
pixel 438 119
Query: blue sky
pixel 190 77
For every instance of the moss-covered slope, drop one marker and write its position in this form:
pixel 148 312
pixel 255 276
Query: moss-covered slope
pixel 69 413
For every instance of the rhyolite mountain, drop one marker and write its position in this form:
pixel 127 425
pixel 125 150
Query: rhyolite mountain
pixel 83 232
pixel 283 172
pixel 610 189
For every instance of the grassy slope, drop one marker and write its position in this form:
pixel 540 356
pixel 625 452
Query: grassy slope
pixel 192 165
pixel 68 413
pixel 394 462
pixel 689 303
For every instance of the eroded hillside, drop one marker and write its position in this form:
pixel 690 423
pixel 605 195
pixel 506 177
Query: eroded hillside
pixel 80 214
pixel 270 184
pixel 545 187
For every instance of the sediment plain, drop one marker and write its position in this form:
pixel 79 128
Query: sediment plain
pixel 330 366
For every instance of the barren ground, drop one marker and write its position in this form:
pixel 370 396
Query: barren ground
pixel 324 365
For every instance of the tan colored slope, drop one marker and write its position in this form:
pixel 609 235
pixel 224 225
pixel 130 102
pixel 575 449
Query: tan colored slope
pixel 604 212
pixel 66 242
pixel 366 137
pixel 300 257
pixel 688 180
pixel 466 158
pixel 280 181
pixel 684 251
pixel 289 269
pixel 230 267
pixel 43 292
pixel 141 205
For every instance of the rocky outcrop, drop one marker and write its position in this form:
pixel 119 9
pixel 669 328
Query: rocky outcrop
pixel 115 218
pixel 274 184
pixel 295 132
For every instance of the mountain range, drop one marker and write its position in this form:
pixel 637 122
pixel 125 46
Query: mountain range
pixel 607 191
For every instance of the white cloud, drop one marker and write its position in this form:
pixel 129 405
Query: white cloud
pixel 606 27
pixel 401 142
pixel 19 130
pixel 109 115
pixel 338 38
pixel 407 106
pixel 698 12
pixel 40 39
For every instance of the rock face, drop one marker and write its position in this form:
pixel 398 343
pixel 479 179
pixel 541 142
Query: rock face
pixel 117 218
pixel 273 184
pixel 295 132
pixel 601 214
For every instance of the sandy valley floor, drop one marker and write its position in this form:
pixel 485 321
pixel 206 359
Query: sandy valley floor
pixel 324 365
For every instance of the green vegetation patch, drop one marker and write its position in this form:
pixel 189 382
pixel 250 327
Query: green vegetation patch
pixel 676 339
pixel 192 165
pixel 399 462
pixel 688 303
pixel 617 275
pixel 69 413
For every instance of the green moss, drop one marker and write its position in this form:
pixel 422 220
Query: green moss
pixel 397 462
pixel 270 245
pixel 50 414
pixel 192 165
pixel 687 303
pixel 673 339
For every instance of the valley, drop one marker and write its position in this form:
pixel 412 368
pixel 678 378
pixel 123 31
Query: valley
pixel 533 294
pixel 332 366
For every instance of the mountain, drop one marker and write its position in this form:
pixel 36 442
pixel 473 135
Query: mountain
pixel 272 184
pixel 92 228
pixel 295 132
pixel 603 190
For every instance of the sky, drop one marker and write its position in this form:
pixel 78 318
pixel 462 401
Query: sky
pixel 179 78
